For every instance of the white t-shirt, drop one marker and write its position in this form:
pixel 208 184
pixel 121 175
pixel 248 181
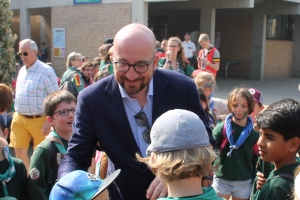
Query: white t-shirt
pixel 189 47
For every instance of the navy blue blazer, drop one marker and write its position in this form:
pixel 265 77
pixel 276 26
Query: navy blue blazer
pixel 101 116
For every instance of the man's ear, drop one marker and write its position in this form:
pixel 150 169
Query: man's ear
pixel 155 62
pixel 294 144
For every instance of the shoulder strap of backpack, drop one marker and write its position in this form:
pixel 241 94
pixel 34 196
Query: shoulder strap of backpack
pixel 53 162
pixel 224 138
pixel 288 177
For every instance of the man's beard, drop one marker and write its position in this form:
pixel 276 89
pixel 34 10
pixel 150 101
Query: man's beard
pixel 132 90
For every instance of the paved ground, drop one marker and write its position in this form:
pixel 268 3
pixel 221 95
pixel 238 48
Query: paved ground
pixel 272 90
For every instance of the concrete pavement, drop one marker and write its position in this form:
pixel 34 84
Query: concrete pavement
pixel 272 90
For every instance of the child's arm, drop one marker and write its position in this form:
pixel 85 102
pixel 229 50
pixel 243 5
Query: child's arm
pixel 217 134
pixel 38 174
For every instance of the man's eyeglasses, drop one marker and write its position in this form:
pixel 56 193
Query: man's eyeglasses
pixel 142 120
pixel 138 68
pixel 65 112
pixel 22 53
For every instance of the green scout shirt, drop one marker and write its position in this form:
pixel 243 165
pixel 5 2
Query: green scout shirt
pixel 78 84
pixel 187 71
pixel 109 65
pixel 208 194
pixel 40 160
pixel 16 187
pixel 242 159
pixel 276 188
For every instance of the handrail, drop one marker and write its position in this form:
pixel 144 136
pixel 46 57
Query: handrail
pixel 229 63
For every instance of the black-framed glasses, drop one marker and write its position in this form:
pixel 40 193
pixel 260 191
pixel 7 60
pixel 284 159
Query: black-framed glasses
pixel 22 53
pixel 138 68
pixel 65 112
pixel 142 120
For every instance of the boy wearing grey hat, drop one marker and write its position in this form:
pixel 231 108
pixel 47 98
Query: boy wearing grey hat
pixel 180 154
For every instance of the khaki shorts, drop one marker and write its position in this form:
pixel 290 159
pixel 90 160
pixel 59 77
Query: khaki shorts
pixel 23 129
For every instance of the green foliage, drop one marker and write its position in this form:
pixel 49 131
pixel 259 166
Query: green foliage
pixel 7 40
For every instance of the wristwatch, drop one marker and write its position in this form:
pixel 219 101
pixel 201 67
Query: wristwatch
pixel 168 61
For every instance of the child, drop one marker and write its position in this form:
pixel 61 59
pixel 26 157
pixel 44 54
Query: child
pixel 180 155
pixel 237 160
pixel 279 143
pixel 212 120
pixel 80 185
pixel 207 83
pixel 258 102
pixel 12 170
pixel 209 56
pixel 60 110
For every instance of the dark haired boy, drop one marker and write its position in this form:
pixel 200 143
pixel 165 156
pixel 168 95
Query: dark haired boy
pixel 12 170
pixel 60 110
pixel 279 142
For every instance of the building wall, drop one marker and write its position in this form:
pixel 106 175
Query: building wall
pixel 236 35
pixel 87 26
pixel 278 59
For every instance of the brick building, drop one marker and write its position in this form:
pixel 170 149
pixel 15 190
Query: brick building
pixel 264 35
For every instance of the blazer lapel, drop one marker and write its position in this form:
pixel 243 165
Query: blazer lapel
pixel 118 114
pixel 161 95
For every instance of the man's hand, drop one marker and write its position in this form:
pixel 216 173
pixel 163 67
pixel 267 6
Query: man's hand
pixel 46 128
pixel 260 180
pixel 156 190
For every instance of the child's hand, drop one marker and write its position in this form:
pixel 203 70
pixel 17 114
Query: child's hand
pixel 260 180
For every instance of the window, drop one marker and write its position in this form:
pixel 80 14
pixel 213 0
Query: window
pixel 280 27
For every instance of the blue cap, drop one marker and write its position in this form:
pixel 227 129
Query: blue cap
pixel 80 185
pixel 2 122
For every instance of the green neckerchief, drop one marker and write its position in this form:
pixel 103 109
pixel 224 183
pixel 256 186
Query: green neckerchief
pixel 54 137
pixel 9 172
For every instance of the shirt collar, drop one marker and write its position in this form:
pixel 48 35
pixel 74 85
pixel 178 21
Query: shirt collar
pixel 125 95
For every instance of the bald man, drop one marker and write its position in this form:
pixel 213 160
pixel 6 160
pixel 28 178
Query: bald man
pixel 119 110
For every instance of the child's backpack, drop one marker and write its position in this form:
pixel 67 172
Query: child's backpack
pixel 225 141
pixel 68 85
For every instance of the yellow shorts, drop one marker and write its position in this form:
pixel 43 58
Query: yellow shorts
pixel 23 129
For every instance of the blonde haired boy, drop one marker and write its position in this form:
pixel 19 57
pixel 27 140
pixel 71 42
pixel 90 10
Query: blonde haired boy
pixel 209 56
pixel 180 154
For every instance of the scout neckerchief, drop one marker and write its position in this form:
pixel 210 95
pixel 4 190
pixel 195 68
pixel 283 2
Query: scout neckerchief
pixel 54 137
pixel 9 172
pixel 245 133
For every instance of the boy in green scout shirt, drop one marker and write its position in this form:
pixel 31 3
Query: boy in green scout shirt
pixel 12 170
pixel 279 142
pixel 60 110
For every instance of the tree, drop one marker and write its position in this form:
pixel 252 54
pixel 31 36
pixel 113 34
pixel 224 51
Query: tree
pixel 7 41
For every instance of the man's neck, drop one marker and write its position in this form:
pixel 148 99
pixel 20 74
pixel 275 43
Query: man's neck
pixel 185 187
pixel 31 64
pixel 141 97
pixel 187 40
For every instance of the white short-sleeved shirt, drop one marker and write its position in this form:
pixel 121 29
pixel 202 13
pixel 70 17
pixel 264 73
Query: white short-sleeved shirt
pixel 189 47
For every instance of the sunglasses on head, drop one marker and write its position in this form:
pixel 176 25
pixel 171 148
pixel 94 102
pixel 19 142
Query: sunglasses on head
pixel 22 53
pixel 142 120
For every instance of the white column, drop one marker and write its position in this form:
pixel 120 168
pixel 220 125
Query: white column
pixel 208 22
pixel 24 21
pixel 258 47
pixel 140 12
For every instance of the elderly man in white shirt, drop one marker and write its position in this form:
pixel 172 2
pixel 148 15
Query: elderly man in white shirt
pixel 189 49
pixel 35 81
